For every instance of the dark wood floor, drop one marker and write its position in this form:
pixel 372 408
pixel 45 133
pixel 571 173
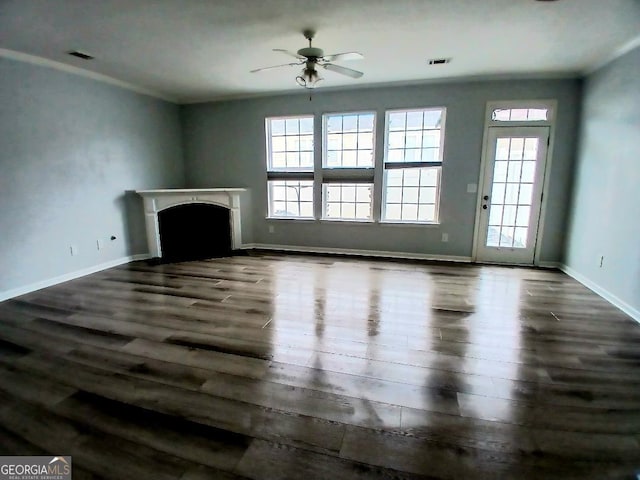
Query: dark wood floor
pixel 277 367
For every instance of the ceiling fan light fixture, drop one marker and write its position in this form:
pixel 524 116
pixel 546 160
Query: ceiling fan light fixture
pixel 308 78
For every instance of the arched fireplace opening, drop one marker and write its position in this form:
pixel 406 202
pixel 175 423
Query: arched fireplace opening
pixel 194 231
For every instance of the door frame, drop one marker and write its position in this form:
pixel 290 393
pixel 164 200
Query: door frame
pixel 552 106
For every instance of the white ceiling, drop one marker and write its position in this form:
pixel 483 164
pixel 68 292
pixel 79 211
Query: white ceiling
pixel 194 50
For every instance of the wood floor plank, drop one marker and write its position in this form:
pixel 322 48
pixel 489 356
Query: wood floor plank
pixel 305 366
pixel 203 445
pixel 280 462
pixel 212 410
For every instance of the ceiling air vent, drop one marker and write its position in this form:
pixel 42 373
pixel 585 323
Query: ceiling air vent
pixel 79 54
pixel 439 61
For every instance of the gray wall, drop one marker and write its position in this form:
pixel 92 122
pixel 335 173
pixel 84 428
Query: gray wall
pixel 225 147
pixel 69 147
pixel 605 219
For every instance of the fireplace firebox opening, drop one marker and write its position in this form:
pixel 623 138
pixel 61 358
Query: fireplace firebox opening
pixel 194 231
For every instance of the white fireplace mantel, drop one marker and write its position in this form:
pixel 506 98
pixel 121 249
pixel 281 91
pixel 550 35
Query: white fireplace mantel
pixel 157 200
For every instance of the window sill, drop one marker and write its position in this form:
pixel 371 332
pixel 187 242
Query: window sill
pixel 291 219
pixel 355 222
pixel 386 223
pixel 341 221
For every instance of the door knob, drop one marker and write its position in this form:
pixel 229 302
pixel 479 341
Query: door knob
pixel 486 197
pixel 484 207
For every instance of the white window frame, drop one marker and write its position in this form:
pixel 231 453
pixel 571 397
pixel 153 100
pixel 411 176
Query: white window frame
pixel 347 175
pixel 405 165
pixel 291 173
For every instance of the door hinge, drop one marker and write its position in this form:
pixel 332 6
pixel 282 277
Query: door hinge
pixel 541 196
pixel 548 141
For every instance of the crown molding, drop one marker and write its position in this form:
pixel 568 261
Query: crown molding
pixel 99 77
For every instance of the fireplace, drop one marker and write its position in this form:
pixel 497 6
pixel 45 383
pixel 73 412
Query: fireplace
pixel 190 224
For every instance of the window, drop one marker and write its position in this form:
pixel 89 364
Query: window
pixel 349 140
pixel 412 165
pixel 409 172
pixel 520 114
pixel 348 166
pixel 533 112
pixel 347 201
pixel 291 198
pixel 290 166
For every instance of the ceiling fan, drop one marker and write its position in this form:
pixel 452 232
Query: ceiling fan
pixel 312 57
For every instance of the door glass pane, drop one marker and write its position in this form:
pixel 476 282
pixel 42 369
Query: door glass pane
pixel 517 148
pixel 506 237
pixel 509 216
pixel 528 171
pixel 530 148
pixel 522 219
pixel 526 191
pixel 502 149
pixel 520 237
pixel 511 192
pixel 500 172
pixel 495 216
pixel 513 172
pixel 511 196
pixel 493 236
pixel 497 197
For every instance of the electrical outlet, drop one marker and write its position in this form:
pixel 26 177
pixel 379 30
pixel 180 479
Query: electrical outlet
pixel 272 229
pixel 472 187
pixel 74 250
pixel 99 244
pixel 445 237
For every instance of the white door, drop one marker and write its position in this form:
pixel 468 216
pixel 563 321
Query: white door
pixel 511 196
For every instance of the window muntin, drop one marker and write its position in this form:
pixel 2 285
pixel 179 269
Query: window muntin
pixel 291 198
pixel 348 201
pixel 290 143
pixel 349 140
pixel 412 165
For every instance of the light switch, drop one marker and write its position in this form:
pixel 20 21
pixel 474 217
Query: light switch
pixel 472 187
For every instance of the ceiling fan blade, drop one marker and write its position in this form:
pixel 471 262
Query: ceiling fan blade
pixel 349 72
pixel 340 57
pixel 291 54
pixel 275 66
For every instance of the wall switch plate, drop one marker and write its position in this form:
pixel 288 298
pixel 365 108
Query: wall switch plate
pixel 472 187
pixel 272 229
pixel 99 244
pixel 74 250
pixel 445 237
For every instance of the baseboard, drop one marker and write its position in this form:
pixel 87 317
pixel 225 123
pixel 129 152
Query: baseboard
pixel 16 292
pixel 557 265
pixel 356 252
pixel 603 292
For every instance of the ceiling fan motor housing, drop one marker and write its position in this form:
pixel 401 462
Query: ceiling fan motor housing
pixel 311 52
